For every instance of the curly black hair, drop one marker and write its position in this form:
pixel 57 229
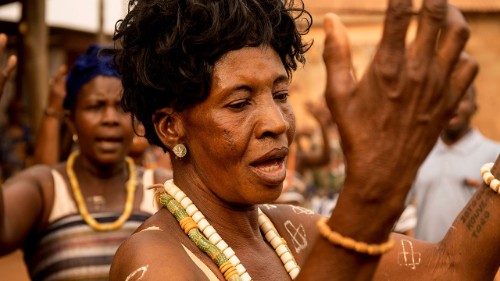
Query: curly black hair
pixel 166 49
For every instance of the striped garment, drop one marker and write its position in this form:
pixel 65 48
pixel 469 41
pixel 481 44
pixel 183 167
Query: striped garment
pixel 69 249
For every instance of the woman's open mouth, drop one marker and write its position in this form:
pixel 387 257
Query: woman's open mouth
pixel 109 143
pixel 270 168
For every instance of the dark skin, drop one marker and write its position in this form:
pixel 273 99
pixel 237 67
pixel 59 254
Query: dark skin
pixel 105 134
pixel 388 122
pixel 8 67
pixel 307 159
pixel 459 124
pixel 47 146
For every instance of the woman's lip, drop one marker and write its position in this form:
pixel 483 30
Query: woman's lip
pixel 270 174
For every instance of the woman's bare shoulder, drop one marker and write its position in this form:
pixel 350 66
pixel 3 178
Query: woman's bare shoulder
pixel 153 253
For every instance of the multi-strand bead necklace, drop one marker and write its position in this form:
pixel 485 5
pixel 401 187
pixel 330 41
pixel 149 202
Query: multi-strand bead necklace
pixel 206 238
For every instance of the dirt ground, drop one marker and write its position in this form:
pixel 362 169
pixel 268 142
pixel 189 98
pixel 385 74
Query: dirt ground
pixel 12 268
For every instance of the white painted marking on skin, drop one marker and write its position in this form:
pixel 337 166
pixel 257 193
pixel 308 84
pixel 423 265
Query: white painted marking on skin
pixel 141 270
pixel 269 206
pixel 298 235
pixel 408 257
pixel 154 227
pixel 300 210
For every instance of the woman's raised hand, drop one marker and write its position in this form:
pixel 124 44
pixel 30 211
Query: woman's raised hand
pixel 390 119
pixel 57 88
pixel 8 67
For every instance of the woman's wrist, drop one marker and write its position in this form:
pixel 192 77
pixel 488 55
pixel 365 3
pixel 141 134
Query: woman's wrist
pixel 367 211
pixel 53 112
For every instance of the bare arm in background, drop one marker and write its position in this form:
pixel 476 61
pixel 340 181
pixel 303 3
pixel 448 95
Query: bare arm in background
pixel 48 145
pixel 8 67
pixel 308 159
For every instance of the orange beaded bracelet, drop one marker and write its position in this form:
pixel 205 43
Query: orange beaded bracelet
pixel 351 244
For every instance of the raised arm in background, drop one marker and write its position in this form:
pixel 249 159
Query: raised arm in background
pixel 8 67
pixel 308 159
pixel 48 139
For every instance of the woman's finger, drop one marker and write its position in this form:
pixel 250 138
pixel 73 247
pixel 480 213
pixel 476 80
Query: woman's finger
pixel 11 65
pixel 337 56
pixel 454 37
pixel 432 20
pixel 391 52
pixel 461 79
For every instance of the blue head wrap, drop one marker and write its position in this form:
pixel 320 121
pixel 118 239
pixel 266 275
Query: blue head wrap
pixel 86 67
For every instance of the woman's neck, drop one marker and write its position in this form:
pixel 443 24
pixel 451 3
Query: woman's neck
pixel 229 220
pixel 99 170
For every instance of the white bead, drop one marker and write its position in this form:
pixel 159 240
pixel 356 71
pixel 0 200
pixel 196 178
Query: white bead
pixel 486 168
pixel 495 184
pixel 241 269
pixel 234 259
pixel 198 216
pixel 295 272
pixel 281 249
pixel 286 257
pixel 208 231
pixel 276 241
pixel 191 209
pixel 266 227
pixel 290 265
pixel 169 187
pixel 179 195
pixel 261 220
pixel 202 225
pixel 228 252
pixel 488 177
pixel 186 202
pixel 222 245
pixel 245 277
pixel 215 238
pixel 270 235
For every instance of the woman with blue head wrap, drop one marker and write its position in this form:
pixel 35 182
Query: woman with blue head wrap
pixel 70 217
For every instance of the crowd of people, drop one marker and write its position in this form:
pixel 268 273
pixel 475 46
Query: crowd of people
pixel 174 155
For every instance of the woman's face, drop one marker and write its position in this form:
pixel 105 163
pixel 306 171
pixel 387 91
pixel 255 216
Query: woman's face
pixel 104 130
pixel 238 137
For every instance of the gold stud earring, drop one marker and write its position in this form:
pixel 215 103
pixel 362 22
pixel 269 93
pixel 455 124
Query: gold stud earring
pixel 75 138
pixel 179 150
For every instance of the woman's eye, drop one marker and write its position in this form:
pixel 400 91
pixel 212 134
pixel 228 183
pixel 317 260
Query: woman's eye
pixel 95 106
pixel 281 96
pixel 239 104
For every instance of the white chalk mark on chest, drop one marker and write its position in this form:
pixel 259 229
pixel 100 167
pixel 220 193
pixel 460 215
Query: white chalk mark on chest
pixel 137 274
pixel 302 211
pixel 408 257
pixel 298 235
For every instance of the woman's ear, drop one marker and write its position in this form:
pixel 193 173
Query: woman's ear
pixel 169 127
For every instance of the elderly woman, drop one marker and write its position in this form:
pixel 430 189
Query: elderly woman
pixel 209 80
pixel 70 218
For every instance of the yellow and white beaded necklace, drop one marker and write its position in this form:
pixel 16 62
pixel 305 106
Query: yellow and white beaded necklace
pixel 265 224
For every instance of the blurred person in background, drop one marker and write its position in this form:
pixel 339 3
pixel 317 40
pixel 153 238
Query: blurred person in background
pixel 69 218
pixel 448 177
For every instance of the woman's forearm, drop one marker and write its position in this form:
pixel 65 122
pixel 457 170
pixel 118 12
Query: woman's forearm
pixel 473 240
pixel 47 141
